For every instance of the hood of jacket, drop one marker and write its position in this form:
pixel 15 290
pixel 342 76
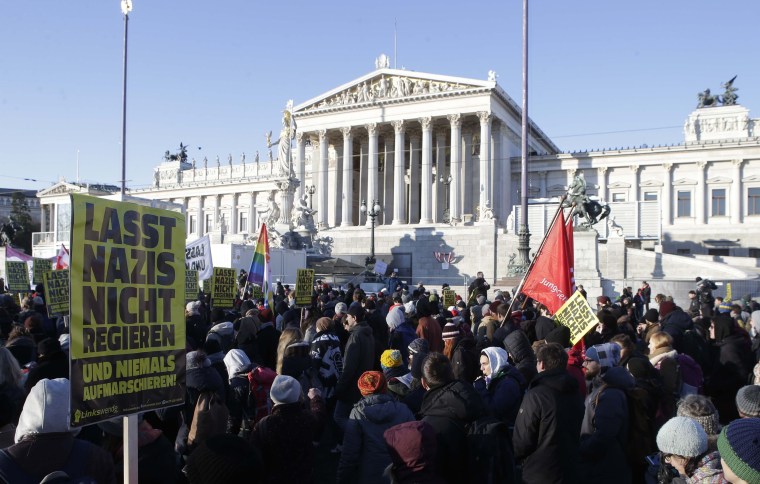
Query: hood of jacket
pixel 676 322
pixel 225 329
pixel 619 377
pixel 413 447
pixel 557 379
pixel 456 400
pixel 518 346
pixel 660 354
pixel 378 409
pixel 46 409
pixel 497 358
pixel 236 362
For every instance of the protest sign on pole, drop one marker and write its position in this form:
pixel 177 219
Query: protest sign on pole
pixel 577 315
pixel 381 267
pixel 223 288
pixel 57 292
pixel 304 286
pixel 257 292
pixel 39 268
pixel 198 257
pixel 449 298
pixel 127 342
pixel 16 276
pixel 191 285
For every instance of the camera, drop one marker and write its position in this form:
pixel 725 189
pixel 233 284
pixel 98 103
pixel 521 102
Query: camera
pixel 704 291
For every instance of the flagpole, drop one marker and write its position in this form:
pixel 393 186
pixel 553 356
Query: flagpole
pixel 538 253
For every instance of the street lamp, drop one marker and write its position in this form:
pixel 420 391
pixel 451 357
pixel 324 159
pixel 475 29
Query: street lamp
pixel 310 190
pixel 376 209
pixel 446 182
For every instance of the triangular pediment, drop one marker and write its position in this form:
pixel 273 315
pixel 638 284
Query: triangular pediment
pixel 684 182
pixel 751 178
pixel 619 185
pixel 719 179
pixel 60 188
pixel 392 85
pixel 651 183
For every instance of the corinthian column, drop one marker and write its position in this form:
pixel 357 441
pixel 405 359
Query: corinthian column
pixel 700 193
pixel 426 169
pixel 372 167
pixel 399 202
pixel 348 185
pixel 485 165
pixel 666 204
pixel 735 209
pixel 455 209
pixel 322 175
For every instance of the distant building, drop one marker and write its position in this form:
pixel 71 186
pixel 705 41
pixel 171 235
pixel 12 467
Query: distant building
pixel 6 203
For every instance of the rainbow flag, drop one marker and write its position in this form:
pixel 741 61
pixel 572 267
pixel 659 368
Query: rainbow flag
pixel 260 272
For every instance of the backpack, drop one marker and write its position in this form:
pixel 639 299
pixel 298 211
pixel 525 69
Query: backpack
pixel 209 418
pixel 641 425
pixel 260 380
pixel 690 377
pixel 489 451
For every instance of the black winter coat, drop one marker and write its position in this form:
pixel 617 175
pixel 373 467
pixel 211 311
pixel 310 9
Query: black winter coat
pixel 547 429
pixel 521 353
pixel 358 357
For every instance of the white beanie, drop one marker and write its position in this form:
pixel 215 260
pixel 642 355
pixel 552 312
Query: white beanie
pixel 285 389
pixel 682 436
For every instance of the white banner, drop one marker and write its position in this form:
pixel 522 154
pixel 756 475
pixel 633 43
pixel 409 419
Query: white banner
pixel 198 257
pixel 381 267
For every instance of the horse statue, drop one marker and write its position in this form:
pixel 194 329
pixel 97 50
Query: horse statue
pixel 707 100
pixel 589 210
pixel 8 232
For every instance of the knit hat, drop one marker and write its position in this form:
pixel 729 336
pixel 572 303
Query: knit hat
pixel 450 331
pixel 606 354
pixel 371 382
pixel 395 317
pixel 419 346
pixel 709 421
pixel 390 359
pixel 682 436
pixel 739 447
pixel 652 315
pixel 341 308
pixel 285 389
pixel 748 400
pixel 223 459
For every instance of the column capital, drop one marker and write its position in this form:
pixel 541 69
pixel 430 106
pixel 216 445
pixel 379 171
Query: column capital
pixel 455 120
pixel 347 132
pixel 299 137
pixel 398 126
pixel 371 129
pixel 602 170
pixel 635 168
pixel 322 133
pixel 738 163
pixel 701 165
pixel 485 117
pixel 426 123
pixel 667 166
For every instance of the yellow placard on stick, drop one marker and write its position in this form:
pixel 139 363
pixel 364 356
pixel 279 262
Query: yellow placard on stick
pixel 449 298
pixel 127 340
pixel 304 287
pixel 223 288
pixel 191 285
pixel 729 293
pixel 577 315
pixel 39 268
pixel 57 292
pixel 17 276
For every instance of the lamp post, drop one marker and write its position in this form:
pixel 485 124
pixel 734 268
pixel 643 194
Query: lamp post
pixel 126 7
pixel 446 182
pixel 310 190
pixel 372 213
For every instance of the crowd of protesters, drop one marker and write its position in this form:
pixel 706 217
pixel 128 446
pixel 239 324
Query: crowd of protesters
pixel 402 389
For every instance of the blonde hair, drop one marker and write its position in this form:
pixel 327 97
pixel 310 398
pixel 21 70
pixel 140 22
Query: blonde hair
pixel 661 339
pixel 288 337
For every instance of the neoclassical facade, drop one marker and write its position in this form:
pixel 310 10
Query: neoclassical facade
pixel 441 156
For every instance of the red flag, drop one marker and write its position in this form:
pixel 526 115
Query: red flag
pixel 548 280
pixel 570 253
pixel 62 259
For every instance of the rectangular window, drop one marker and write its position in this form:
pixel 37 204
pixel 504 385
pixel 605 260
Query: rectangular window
pixel 683 251
pixel 753 201
pixel 191 224
pixel 650 196
pixel 718 252
pixel 684 204
pixel 618 197
pixel 209 223
pixel 719 202
pixel 243 223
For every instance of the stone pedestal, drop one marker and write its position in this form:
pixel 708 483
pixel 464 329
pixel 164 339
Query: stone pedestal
pixel 286 191
pixel 586 243
pixel 717 123
pixel 614 267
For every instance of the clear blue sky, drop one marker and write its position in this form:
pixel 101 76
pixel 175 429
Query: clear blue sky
pixel 216 75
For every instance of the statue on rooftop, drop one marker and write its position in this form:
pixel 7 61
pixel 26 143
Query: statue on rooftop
pixel 729 96
pixel 706 100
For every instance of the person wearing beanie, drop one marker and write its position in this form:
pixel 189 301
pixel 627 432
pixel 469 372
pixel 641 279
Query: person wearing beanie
pixel 326 358
pixel 700 409
pixel 224 459
pixel 502 385
pixel 52 363
pixel 748 401
pixel 289 431
pixel 459 348
pixel 648 326
pixel 45 442
pixel 401 332
pixel 365 455
pixel 684 445
pixel 392 364
pixel 418 350
pixel 739 448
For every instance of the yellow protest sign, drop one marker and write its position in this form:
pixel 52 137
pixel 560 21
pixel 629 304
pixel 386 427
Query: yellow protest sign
pixel 127 341
pixel 449 298
pixel 729 292
pixel 577 315
pixel 191 285
pixel 16 276
pixel 304 286
pixel 39 268
pixel 57 292
pixel 223 288
pixel 257 292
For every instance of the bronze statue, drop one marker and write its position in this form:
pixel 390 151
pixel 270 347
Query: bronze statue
pixel 729 95
pixel 589 210
pixel 706 100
